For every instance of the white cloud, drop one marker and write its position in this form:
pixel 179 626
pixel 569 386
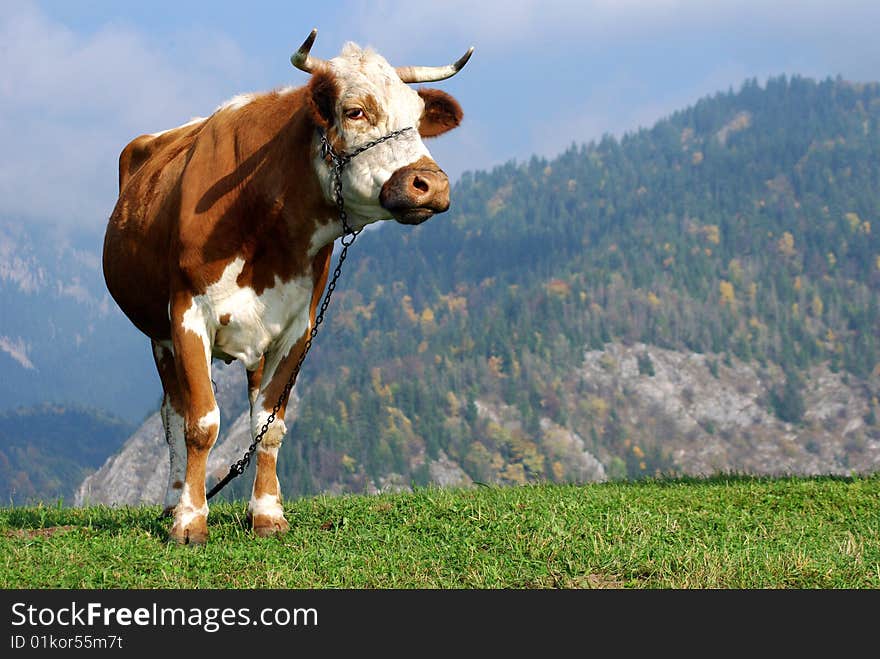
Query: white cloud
pixel 18 350
pixel 632 61
pixel 531 22
pixel 69 104
pixel 601 112
pixel 71 99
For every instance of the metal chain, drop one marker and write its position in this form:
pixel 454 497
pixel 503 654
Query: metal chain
pixel 337 163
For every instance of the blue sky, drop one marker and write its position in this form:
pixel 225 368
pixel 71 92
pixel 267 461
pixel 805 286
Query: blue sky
pixel 81 78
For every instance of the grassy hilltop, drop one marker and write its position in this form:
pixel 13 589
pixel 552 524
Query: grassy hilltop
pixel 724 532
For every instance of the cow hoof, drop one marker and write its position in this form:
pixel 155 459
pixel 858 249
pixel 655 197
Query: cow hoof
pixel 194 533
pixel 265 526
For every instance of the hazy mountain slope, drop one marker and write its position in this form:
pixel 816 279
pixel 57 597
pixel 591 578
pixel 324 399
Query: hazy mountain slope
pixel 46 451
pixel 62 338
pixel 138 472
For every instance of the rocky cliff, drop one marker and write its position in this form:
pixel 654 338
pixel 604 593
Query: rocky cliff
pixel 708 414
pixel 138 473
pixel 674 413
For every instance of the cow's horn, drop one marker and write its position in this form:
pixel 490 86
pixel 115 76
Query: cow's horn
pixel 305 62
pixel 433 73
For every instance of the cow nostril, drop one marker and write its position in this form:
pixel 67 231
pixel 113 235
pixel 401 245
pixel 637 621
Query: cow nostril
pixel 421 184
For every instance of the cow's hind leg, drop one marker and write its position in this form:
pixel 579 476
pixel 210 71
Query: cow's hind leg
pixel 265 512
pixel 172 422
pixel 201 416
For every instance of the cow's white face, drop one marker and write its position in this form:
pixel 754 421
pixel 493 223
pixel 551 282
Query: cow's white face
pixel 362 98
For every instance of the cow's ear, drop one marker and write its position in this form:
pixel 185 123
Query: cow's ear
pixel 442 112
pixel 323 93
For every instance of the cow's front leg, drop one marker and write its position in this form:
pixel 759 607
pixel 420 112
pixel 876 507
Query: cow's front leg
pixel 265 511
pixel 191 340
pixel 267 384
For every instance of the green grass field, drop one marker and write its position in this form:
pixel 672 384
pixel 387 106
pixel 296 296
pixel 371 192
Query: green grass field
pixel 736 532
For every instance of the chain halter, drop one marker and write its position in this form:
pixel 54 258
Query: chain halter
pixel 337 164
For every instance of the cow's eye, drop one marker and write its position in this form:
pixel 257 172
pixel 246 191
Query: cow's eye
pixel 355 113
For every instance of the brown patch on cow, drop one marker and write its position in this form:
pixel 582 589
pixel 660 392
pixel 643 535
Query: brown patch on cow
pixel 224 319
pixel 442 112
pixel 255 376
pixel 254 379
pixel 205 196
pixel 272 391
pixel 265 480
pixel 264 214
pixel 137 244
pixel 132 157
pixel 371 108
pixel 142 148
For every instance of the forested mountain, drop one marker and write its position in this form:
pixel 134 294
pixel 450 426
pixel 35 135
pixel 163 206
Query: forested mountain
pixel 742 230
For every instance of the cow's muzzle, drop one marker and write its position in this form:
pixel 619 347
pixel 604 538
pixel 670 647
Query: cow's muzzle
pixel 416 192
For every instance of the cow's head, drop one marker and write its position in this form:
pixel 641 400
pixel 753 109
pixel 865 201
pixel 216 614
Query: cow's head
pixel 358 97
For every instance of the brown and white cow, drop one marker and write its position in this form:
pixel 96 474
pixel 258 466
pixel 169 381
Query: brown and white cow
pixel 221 241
